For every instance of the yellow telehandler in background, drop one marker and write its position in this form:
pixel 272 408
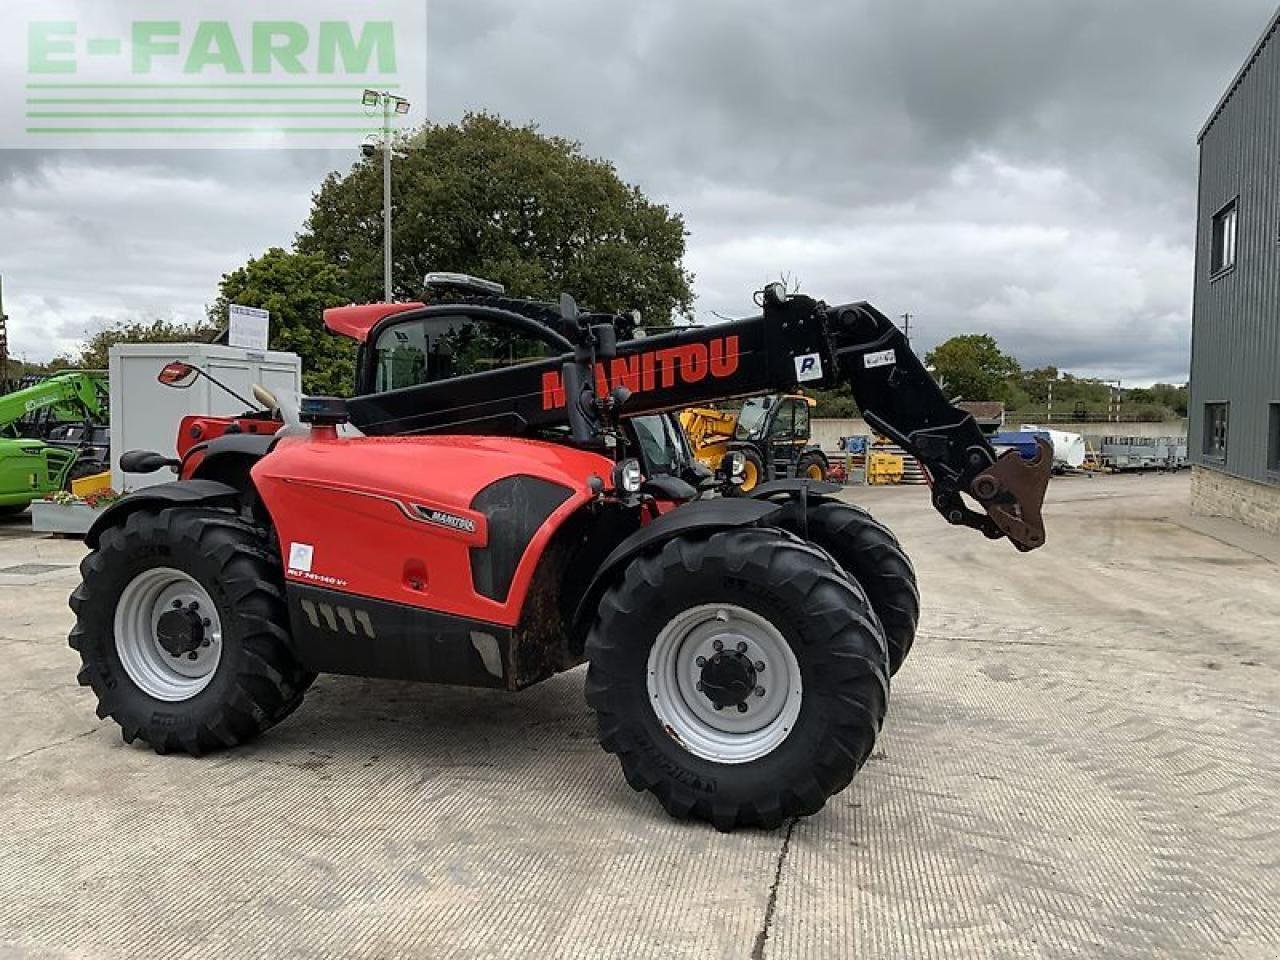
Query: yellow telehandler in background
pixel 771 432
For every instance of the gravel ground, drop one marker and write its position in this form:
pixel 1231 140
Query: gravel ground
pixel 1080 760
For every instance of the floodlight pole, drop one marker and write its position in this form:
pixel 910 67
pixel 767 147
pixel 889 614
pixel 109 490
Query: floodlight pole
pixel 387 106
pixel 390 104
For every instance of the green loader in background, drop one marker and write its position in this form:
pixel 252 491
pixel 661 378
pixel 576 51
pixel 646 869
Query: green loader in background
pixel 31 465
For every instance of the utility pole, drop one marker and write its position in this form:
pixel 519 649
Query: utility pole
pixel 391 105
pixel 906 326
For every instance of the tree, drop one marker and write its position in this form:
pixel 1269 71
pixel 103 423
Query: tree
pixel 838 404
pixel 296 288
pixel 94 355
pixel 494 200
pixel 972 367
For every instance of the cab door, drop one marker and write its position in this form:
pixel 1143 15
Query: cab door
pixel 788 434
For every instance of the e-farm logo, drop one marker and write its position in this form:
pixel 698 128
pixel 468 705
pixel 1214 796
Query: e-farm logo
pixel 211 73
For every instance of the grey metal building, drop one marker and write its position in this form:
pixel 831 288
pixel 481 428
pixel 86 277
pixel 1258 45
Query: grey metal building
pixel 1234 431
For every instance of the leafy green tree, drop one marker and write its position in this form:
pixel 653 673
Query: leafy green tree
pixel 504 202
pixel 1172 396
pixel 296 288
pixel 972 367
pixel 834 403
pixel 94 355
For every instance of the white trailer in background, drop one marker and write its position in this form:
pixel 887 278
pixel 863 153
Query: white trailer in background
pixel 1068 448
pixel 145 414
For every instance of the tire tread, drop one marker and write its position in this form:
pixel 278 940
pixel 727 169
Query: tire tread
pixel 841 630
pixel 269 684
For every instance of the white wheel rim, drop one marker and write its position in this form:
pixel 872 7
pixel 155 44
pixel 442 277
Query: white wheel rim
pixel 677 663
pixel 155 670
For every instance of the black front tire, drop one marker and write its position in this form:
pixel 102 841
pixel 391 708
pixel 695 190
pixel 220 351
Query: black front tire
pixel 812 466
pixel 13 510
pixel 871 554
pixel 827 624
pixel 257 681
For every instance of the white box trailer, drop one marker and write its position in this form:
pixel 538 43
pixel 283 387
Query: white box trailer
pixel 145 414
pixel 1068 448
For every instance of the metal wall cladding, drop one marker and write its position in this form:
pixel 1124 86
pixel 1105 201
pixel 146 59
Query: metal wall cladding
pixel 1235 343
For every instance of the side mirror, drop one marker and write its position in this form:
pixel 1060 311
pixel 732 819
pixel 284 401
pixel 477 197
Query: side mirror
pixel 178 375
pixel 568 308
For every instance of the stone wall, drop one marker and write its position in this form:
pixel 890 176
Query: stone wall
pixel 1217 494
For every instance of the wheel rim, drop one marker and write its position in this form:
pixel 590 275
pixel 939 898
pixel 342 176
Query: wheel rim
pixel 168 634
pixel 684 678
pixel 814 472
pixel 750 476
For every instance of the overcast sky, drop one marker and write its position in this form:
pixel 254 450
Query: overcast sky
pixel 1024 168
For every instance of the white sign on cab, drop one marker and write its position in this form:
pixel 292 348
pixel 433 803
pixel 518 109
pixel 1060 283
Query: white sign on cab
pixel 250 328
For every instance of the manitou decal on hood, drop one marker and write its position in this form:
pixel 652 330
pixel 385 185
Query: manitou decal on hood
pixel 655 369
pixel 450 520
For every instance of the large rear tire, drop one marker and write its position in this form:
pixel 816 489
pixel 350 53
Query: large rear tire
pixel 871 554
pixel 741 678
pixel 181 630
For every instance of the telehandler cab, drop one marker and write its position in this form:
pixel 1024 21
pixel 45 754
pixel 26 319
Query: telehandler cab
pixel 508 498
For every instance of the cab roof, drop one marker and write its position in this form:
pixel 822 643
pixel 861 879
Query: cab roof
pixel 357 320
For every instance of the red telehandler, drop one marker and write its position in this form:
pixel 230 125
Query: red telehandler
pixel 508 498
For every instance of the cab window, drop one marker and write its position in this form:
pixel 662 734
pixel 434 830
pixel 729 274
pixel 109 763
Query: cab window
pixel 802 420
pixel 752 417
pixel 444 347
pixel 661 444
pixel 783 426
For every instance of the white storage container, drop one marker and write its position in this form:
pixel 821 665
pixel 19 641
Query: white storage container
pixel 145 414
pixel 1068 448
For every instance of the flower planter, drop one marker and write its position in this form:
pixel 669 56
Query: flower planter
pixel 71 519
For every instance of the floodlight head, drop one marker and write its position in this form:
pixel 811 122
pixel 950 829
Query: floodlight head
pixel 371 98
pixel 402 106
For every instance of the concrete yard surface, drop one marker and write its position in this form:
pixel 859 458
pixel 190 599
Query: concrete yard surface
pixel 1081 759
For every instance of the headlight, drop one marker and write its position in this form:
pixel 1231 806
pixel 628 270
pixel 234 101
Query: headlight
pixel 734 466
pixel 627 476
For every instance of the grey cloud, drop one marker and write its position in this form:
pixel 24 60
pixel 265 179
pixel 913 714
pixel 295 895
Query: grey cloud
pixel 1025 167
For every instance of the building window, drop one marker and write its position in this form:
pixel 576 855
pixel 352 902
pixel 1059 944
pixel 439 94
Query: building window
pixel 1215 430
pixel 1273 443
pixel 1223 256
